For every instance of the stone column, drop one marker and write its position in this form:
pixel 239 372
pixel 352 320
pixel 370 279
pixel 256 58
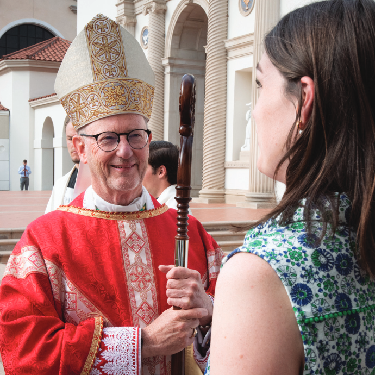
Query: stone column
pixel 156 46
pixel 126 15
pixel 215 104
pixel 261 193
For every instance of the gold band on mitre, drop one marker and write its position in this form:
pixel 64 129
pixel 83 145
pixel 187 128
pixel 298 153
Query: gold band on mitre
pixel 108 98
pixel 111 71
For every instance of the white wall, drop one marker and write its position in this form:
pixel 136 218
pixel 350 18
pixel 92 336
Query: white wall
pixel 5 92
pixel 41 84
pixel 238 24
pixel 288 5
pixel 279 190
pixel 4 150
pixel 14 94
pixel 16 88
pixel 4 163
pixel 171 7
pixel 142 21
pixel 237 179
pixel 57 114
pixel 238 95
pixel 61 157
pixel 88 9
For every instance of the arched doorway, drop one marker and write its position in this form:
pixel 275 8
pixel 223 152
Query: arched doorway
pixel 47 155
pixel 185 53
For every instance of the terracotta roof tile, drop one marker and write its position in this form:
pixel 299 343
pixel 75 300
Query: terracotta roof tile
pixel 42 97
pixel 2 108
pixel 53 49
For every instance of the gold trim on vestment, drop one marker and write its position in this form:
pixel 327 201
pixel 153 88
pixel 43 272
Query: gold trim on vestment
pixel 96 338
pixel 137 215
pixel 108 97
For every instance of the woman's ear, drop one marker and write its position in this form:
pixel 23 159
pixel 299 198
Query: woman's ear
pixel 308 96
pixel 79 145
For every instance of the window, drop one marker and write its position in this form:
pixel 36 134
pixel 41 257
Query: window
pixel 22 36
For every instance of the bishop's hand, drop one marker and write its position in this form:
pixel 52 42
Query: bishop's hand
pixel 185 290
pixel 171 332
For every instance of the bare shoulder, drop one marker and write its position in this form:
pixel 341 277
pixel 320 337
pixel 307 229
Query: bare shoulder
pixel 254 326
pixel 247 267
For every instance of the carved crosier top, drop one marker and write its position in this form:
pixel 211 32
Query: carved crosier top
pixel 187 105
pixel 187 119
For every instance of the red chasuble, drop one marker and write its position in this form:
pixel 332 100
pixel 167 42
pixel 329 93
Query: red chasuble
pixel 80 284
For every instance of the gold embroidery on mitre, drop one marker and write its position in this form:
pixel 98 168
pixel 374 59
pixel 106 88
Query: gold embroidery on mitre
pixel 108 97
pixel 106 49
pixel 112 91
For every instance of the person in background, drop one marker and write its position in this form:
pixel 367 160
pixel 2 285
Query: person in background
pixel 299 296
pixel 63 189
pixel 161 174
pixel 24 170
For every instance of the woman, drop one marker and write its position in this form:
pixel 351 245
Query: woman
pixel 298 297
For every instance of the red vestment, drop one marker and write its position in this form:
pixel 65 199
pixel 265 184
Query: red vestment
pixel 75 271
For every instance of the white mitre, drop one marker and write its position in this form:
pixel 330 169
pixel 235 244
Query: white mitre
pixel 104 73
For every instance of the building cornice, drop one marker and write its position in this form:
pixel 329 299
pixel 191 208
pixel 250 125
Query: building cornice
pixel 125 14
pixel 176 65
pixel 236 164
pixel 154 6
pixel 73 8
pixel 140 5
pixel 31 65
pixel 239 46
pixel 43 102
pixel 128 10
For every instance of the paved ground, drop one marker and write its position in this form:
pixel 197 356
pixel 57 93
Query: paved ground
pixel 19 208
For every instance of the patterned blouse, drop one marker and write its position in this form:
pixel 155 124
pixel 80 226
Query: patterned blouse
pixel 332 297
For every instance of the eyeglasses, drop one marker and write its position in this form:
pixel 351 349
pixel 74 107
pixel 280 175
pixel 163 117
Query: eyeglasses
pixel 108 141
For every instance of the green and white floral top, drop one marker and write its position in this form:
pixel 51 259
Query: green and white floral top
pixel 332 297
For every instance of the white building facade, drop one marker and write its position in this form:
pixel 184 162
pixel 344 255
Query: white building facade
pixel 23 133
pixel 218 41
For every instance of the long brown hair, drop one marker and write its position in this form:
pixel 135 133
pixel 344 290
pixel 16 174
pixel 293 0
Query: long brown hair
pixel 333 43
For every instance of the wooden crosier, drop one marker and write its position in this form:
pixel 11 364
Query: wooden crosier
pixel 187 120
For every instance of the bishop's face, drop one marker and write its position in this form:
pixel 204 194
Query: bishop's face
pixel 116 176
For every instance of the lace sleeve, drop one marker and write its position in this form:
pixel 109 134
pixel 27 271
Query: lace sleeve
pixel 119 352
